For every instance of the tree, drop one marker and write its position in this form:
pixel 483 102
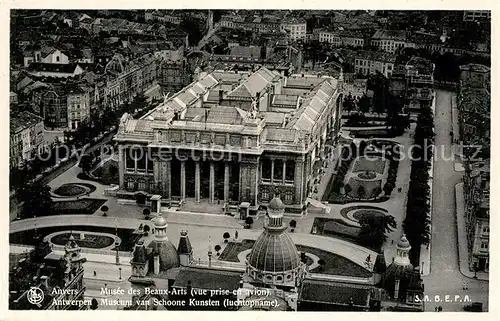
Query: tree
pixel 322 264
pixel 104 210
pixel 376 191
pixel 347 189
pixel 86 163
pixel 146 229
pixel 146 212
pixel 217 249
pixel 140 199
pixel 248 222
pixel 37 200
pixel 349 103
pixel 226 236
pixel 374 228
pixel 293 225
pixel 364 104
pixel 361 191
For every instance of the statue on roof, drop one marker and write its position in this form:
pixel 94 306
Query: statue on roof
pixel 254 111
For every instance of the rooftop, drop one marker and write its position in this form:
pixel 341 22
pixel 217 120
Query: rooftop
pixel 206 278
pixel 22 121
pixel 375 56
pixel 399 35
pixel 335 293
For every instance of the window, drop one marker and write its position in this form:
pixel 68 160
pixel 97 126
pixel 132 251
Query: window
pixel 484 245
pixel 264 194
pixel 290 172
pixel 57 59
pixel 288 196
pixel 130 184
pixel 266 170
pixel 486 229
pixel 142 185
pixel 278 171
pixel 152 186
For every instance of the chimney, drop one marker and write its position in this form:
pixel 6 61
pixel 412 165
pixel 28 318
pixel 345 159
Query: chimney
pixel 221 92
pixel 156 263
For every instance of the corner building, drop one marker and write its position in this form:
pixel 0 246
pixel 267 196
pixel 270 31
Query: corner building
pixel 233 137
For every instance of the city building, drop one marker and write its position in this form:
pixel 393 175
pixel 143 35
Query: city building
pixel 45 280
pixel 296 28
pixel 54 70
pixel 235 137
pixel 172 69
pixel 477 214
pixel 370 62
pixel 80 100
pixel 26 137
pixel 419 77
pixel 125 79
pixel 389 40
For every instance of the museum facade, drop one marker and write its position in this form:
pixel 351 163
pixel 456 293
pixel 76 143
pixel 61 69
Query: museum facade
pixel 233 137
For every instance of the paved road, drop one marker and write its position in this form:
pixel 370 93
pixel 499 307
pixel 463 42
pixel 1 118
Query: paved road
pixel 445 277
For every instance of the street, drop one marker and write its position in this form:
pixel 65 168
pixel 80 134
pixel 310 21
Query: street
pixel 445 277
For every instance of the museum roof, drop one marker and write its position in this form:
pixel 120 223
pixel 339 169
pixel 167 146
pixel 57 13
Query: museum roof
pixel 335 293
pixel 208 278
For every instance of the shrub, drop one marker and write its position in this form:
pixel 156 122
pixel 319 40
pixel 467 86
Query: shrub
pixel 347 188
pixel 140 198
pixel 104 210
pixel 321 263
pixel 146 229
pixel 226 236
pixel 146 212
pixel 217 249
pixel 293 225
pixel 248 222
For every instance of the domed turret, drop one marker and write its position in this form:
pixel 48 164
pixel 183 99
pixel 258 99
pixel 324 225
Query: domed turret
pixel 274 258
pixel 162 248
pixel 400 270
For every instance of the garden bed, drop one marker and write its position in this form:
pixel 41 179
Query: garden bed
pixel 128 238
pixel 371 164
pixel 81 206
pixel 334 264
pixel 92 241
pixel 74 189
pixel 338 228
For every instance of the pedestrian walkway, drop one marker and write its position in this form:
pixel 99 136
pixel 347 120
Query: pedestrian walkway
pixel 463 253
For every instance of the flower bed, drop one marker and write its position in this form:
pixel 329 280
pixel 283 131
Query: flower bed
pixel 92 241
pixel 74 189
pixel 82 206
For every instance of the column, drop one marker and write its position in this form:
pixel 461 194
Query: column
pixel 226 181
pixel 121 164
pixel 212 183
pixel 272 171
pixel 284 172
pixel 167 179
pixel 183 180
pixel 299 180
pixel 197 182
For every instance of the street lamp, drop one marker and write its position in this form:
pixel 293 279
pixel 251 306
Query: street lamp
pixel 475 270
pixel 120 270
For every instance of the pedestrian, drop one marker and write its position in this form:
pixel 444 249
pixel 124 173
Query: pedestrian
pixel 440 308
pixel 464 286
pixel 436 308
pixel 95 274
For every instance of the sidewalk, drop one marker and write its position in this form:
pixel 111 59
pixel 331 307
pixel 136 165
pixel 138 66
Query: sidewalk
pixel 463 253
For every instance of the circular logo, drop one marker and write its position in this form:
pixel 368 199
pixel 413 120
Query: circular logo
pixel 35 295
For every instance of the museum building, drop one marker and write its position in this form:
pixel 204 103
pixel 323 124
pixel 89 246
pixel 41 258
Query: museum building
pixel 233 137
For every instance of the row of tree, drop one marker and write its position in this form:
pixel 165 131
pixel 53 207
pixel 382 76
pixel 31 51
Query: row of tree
pixel 417 222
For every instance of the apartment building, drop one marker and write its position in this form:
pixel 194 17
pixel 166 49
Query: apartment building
pixel 371 62
pixel 389 40
pixel 26 137
pixel 296 29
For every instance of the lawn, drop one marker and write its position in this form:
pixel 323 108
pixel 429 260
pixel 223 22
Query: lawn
pixel 372 164
pixel 338 228
pixel 74 189
pixel 82 206
pixel 108 173
pixel 27 237
pixel 90 241
pixel 334 264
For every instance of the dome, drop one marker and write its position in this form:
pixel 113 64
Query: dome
pixel 159 221
pixel 403 243
pixel 167 252
pixel 274 251
pixel 276 204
